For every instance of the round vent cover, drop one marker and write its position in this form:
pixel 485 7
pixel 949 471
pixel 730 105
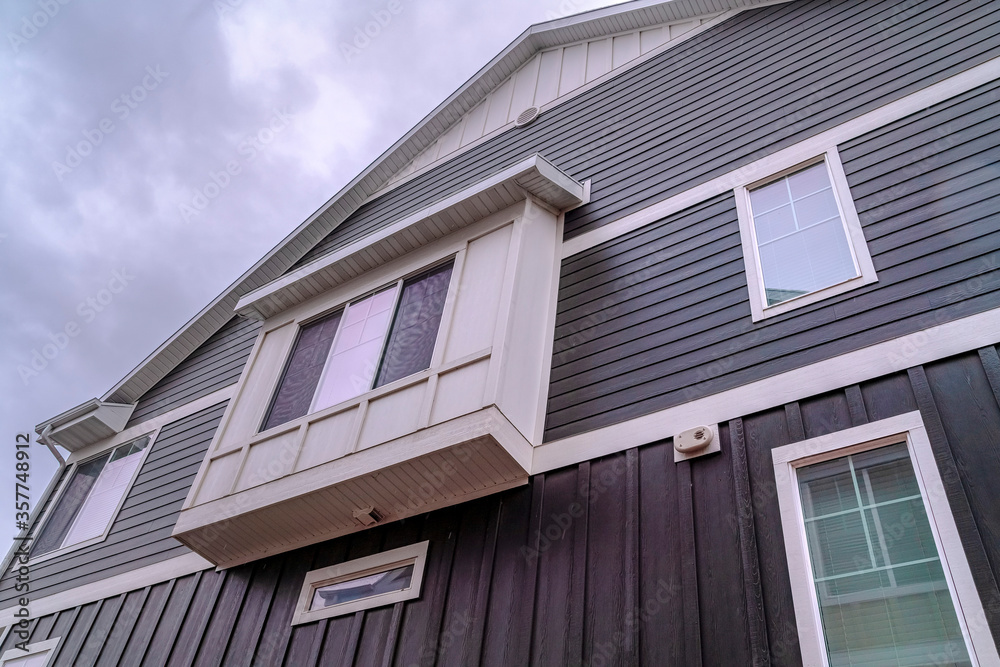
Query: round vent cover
pixel 526 117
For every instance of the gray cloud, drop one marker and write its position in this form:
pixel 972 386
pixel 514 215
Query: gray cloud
pixel 67 224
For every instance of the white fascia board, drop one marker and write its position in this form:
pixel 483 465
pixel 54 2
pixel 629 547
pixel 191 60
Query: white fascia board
pixel 547 182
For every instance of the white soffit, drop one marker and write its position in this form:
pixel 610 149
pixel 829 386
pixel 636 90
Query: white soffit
pixel 589 25
pixel 86 424
pixel 534 176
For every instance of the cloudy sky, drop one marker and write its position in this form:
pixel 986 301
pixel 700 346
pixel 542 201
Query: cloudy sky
pixel 116 114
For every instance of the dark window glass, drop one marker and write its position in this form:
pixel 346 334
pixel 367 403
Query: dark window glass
pixel 415 327
pixel 390 581
pixel 295 393
pixel 69 505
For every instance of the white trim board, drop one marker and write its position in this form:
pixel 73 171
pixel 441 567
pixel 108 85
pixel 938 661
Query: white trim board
pixel 800 152
pixel 938 342
pixel 908 427
pixel 112 586
pixel 48 646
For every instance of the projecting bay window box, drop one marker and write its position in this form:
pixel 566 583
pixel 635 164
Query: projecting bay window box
pixel 386 386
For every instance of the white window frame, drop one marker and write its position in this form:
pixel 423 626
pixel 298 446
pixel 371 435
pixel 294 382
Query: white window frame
pixel 49 646
pixel 415 554
pixel 57 497
pixel 908 428
pixel 848 213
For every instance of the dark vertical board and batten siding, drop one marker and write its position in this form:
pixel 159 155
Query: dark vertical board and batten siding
pixel 627 559
pixel 140 534
pixel 660 316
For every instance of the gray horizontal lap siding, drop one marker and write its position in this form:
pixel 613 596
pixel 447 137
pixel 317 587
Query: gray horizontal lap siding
pixel 140 534
pixel 753 85
pixel 660 316
pixel 217 363
pixel 628 559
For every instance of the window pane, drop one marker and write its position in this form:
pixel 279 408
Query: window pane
pixel 415 327
pixel 881 587
pixel 390 581
pixel 66 510
pixel 353 362
pixel 802 242
pixel 107 492
pixel 298 386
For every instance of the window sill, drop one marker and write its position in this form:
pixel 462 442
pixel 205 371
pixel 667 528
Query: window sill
pixel 812 297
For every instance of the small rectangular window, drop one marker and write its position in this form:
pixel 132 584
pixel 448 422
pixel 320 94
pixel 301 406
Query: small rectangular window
pixel 801 237
pixel 877 568
pixel 38 654
pixel 91 499
pixel 374 581
pixel 373 341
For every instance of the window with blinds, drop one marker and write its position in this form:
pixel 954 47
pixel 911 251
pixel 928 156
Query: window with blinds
pixel 371 342
pixel 879 580
pixel 90 500
pixel 801 237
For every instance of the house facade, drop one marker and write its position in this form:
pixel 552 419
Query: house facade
pixel 670 338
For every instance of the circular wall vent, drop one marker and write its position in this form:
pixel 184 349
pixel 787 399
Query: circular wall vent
pixel 526 117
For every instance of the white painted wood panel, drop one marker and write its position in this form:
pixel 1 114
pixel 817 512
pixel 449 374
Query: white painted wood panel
pixel 269 459
pixel 624 49
pixel 327 439
pixel 574 68
pixel 392 416
pixel 479 294
pixel 548 78
pixel 460 391
pixel 218 478
pixel 524 87
pixel 499 100
pixel 598 58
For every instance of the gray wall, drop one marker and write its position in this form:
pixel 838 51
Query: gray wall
pixel 217 363
pixel 140 534
pixel 661 316
pixel 624 560
pixel 764 80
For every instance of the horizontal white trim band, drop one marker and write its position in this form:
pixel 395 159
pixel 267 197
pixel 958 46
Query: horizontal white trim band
pixel 112 586
pixel 801 151
pixel 945 340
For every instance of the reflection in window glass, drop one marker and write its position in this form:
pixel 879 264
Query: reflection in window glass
pixel 353 361
pixel 880 583
pixel 801 239
pixel 88 504
pixel 389 581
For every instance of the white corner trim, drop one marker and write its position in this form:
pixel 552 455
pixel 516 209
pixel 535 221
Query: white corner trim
pixel 937 342
pixel 910 428
pixel 804 150
pixel 858 246
pixel 48 645
pixel 415 554
pixel 116 585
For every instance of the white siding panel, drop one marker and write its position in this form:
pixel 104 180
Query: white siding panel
pixel 524 87
pixel 626 48
pixel 574 68
pixel 598 58
pixel 450 140
pixel 475 123
pixel 650 39
pixel 548 77
pixel 499 106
